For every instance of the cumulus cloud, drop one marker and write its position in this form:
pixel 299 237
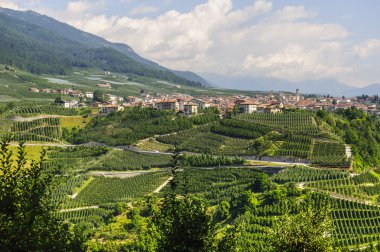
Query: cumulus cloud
pixel 292 13
pixel 295 62
pixel 9 5
pixel 367 48
pixel 79 6
pixel 217 37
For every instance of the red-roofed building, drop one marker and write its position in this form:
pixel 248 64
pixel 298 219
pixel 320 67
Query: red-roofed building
pixel 248 107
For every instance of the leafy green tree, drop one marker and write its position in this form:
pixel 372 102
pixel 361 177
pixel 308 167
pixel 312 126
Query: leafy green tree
pixel 27 222
pixel 310 230
pixel 58 100
pixel 275 196
pixel 10 105
pixel 261 183
pixel 184 225
pixel 99 96
pixel 229 241
pixel 292 189
pixel 246 201
pixel 136 218
pixel 223 210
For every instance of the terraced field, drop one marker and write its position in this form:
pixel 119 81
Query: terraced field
pixel 287 135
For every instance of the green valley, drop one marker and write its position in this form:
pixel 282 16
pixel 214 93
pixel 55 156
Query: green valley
pixel 104 150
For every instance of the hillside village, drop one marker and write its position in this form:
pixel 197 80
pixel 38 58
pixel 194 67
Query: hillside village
pixel 188 105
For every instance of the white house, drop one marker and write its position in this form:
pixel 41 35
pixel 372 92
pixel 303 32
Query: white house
pixel 70 104
pixel 89 95
pixel 110 108
pixel 167 105
pixel 247 107
pixel 190 109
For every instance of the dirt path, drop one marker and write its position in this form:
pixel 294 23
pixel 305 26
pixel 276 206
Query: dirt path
pixel 301 185
pixel 29 119
pixel 137 150
pixel 163 185
pixel 77 209
pixel 338 195
pixel 108 174
pixel 84 185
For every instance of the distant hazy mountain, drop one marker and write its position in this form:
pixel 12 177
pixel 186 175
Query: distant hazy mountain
pixel 42 44
pixel 373 89
pixel 323 86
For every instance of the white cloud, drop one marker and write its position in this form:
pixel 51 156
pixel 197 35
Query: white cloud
pixel 367 48
pixel 295 62
pixel 79 6
pixel 76 8
pixel 292 13
pixel 143 9
pixel 252 41
pixel 9 5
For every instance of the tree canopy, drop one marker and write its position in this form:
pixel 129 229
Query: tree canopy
pixel 26 214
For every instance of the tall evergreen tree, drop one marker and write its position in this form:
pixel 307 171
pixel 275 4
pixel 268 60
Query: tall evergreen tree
pixel 183 223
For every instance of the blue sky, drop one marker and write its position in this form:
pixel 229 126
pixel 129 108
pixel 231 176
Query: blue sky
pixel 359 16
pixel 289 39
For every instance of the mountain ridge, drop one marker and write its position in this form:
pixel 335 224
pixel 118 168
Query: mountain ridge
pixel 85 41
pixel 322 86
pixel 371 89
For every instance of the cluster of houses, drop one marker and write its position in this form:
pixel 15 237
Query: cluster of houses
pixel 70 91
pixel 190 105
pixel 283 102
pixel 65 91
pixel 258 104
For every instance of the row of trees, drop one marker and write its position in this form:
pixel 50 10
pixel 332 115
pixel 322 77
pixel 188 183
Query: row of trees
pixel 184 223
pixel 134 124
pixel 26 212
pixel 358 129
pixel 205 160
pixel 178 222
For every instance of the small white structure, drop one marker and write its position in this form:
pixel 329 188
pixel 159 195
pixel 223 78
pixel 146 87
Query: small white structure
pixel 34 90
pixel 107 85
pixel 70 104
pixel 190 109
pixel 247 107
pixel 89 95
pixel 110 108
pixel 298 95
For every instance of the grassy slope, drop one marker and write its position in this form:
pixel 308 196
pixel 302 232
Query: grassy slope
pixel 74 121
pixel 14 86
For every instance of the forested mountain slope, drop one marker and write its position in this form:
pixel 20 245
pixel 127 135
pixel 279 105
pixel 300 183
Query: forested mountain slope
pixel 41 44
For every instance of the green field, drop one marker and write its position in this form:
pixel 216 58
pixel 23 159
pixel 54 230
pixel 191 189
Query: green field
pixel 118 160
pixel 91 200
pixel 74 122
pixel 14 85
pixel 113 190
pixel 287 135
